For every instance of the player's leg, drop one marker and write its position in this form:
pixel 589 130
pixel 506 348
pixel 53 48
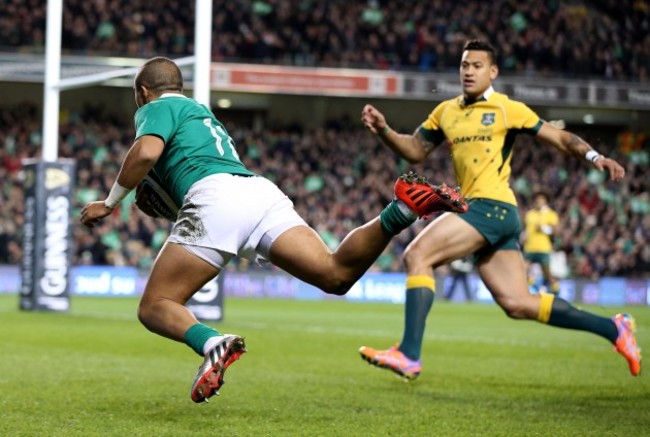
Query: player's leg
pixel 301 252
pixel 447 238
pixel 532 283
pixel 449 291
pixel 176 276
pixel 468 290
pixel 503 272
pixel 550 282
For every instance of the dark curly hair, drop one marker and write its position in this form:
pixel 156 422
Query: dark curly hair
pixel 482 46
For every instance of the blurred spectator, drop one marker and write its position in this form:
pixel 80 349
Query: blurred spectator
pixel 339 177
pixel 607 39
pixel 459 272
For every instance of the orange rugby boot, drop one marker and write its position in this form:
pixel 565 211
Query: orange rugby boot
pixel 425 199
pixel 392 359
pixel 626 343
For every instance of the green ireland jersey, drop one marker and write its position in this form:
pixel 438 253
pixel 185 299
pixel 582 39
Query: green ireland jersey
pixel 196 143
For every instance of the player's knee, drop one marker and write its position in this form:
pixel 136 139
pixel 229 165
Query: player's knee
pixel 337 286
pixel 145 312
pixel 514 308
pixel 415 259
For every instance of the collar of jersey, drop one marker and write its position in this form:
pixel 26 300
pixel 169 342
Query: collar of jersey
pixel 486 95
pixel 172 95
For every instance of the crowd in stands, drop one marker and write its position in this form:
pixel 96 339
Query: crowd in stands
pixel 609 39
pixel 339 176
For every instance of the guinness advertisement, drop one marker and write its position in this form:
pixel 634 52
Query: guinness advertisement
pixel 207 303
pixel 47 235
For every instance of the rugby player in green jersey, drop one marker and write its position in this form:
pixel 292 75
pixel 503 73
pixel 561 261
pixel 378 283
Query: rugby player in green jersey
pixel 480 127
pixel 227 210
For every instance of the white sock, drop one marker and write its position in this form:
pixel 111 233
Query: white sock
pixel 212 342
pixel 404 209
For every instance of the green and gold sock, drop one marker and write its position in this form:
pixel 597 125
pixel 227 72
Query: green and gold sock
pixel 420 291
pixel 558 312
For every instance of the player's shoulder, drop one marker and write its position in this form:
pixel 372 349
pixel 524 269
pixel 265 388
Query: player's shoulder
pixel 445 105
pixel 507 102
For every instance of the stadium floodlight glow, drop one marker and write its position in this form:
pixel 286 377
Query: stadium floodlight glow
pixel 224 103
pixel 53 84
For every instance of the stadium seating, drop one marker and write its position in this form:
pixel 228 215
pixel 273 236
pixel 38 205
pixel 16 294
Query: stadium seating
pixel 606 39
pixel 338 176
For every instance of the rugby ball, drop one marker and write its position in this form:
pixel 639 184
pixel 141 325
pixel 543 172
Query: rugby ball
pixel 152 198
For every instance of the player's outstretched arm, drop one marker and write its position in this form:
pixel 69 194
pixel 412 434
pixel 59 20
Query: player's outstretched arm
pixel 570 143
pixel 414 148
pixel 139 160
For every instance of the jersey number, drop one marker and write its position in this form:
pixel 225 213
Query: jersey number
pixel 219 135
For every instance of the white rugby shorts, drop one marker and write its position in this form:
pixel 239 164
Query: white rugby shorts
pixel 223 215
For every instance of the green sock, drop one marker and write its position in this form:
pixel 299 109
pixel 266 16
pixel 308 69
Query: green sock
pixel 419 298
pixel 394 219
pixel 197 335
pixel 564 315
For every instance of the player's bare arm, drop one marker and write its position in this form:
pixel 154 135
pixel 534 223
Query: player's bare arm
pixel 570 143
pixel 138 162
pixel 414 148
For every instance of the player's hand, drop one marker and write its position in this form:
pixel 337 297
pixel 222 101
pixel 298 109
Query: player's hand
pixel 616 170
pixel 373 119
pixel 93 212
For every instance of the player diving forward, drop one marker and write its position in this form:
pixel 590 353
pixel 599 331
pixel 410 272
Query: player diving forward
pixel 226 210
pixel 480 127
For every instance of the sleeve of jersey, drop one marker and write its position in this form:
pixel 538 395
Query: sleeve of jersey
pixel 430 129
pixel 154 120
pixel 554 219
pixel 523 118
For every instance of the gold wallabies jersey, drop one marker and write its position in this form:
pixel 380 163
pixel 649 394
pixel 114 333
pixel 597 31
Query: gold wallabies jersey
pixel 481 136
pixel 536 239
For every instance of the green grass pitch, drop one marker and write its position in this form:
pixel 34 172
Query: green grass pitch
pixel 97 372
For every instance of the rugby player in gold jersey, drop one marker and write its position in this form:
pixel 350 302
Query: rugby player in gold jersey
pixel 480 127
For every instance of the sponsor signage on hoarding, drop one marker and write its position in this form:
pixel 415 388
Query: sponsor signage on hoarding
pixel 376 287
pixel 298 80
pixel 353 82
pixel 105 281
pixel 207 303
pixel 47 236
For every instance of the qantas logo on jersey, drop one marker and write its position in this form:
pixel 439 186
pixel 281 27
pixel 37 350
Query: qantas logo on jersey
pixel 472 139
pixel 488 118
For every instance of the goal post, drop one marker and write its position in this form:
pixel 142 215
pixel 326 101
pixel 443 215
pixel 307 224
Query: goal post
pixel 46 278
pixel 53 84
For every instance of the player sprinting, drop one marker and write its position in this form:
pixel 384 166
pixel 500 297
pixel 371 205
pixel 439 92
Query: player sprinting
pixel 225 210
pixel 540 222
pixel 480 127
